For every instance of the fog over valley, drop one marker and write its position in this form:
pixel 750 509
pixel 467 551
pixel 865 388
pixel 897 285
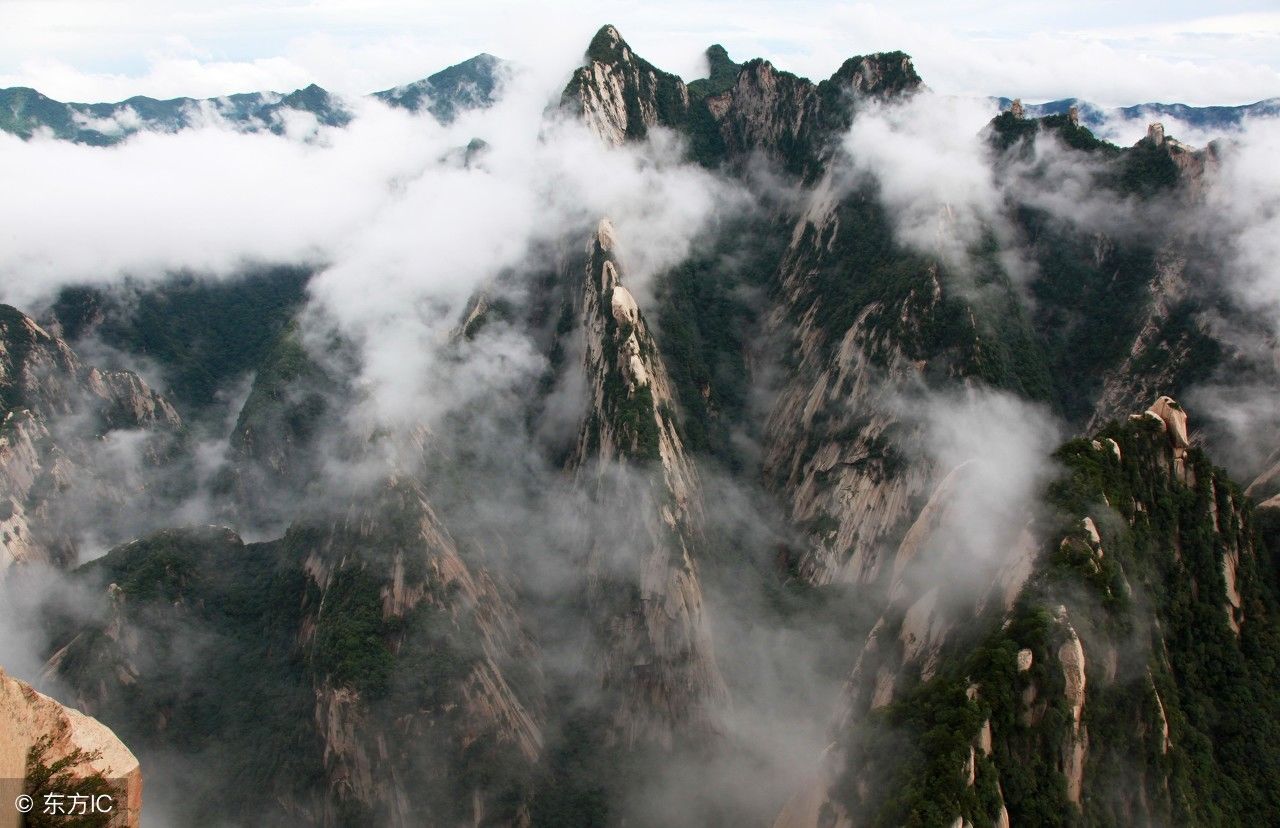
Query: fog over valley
pixel 580 434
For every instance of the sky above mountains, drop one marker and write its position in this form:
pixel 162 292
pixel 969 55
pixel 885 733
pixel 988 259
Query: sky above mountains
pixel 1111 53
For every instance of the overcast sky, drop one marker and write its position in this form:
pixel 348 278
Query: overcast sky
pixel 1109 52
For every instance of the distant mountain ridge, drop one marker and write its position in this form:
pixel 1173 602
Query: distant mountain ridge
pixel 1227 118
pixel 467 85
pixel 24 111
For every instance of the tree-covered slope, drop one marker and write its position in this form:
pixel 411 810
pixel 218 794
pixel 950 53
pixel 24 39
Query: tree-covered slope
pixel 1131 683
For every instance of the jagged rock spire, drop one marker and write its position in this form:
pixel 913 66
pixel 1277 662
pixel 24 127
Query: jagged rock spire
pixel 659 667
pixel 622 96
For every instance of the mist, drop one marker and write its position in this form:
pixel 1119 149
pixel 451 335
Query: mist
pixel 444 360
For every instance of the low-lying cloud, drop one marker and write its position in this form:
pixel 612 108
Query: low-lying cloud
pixel 932 167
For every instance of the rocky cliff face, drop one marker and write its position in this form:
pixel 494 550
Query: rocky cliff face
pixel 621 96
pixel 27 717
pixel 392 566
pixel 792 120
pixel 57 413
pixel 656 648
pixel 1067 713
pixel 349 612
pixel 739 110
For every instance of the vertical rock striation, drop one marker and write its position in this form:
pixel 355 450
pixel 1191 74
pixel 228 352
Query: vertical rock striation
pixel 658 661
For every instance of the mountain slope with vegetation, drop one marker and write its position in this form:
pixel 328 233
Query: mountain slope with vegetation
pixel 654 537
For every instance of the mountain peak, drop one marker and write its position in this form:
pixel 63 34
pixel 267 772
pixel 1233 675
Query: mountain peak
pixel 882 75
pixel 620 95
pixel 608 46
pixel 472 84
pixel 721 73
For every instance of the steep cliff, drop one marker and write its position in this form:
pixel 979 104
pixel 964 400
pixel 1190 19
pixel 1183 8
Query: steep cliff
pixel 656 649
pixel 390 600
pixel 867 323
pixel 621 96
pixel 60 421
pixel 1114 687
pixel 62 736
pixel 398 676
pixel 792 120
pixel 503 614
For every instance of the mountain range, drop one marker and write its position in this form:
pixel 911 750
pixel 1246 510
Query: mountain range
pixel 903 490
pixel 469 84
pixel 1221 119
pixel 24 111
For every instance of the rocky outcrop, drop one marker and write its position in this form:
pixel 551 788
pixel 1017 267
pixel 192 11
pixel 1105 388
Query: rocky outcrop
pixel 1167 410
pixel 922 612
pixel 794 121
pixel 56 412
pixel 1076 747
pixel 26 716
pixel 1173 422
pixel 621 96
pixel 1192 164
pixel 1155 360
pixel 659 667
pixel 740 110
pixel 830 438
pixel 766 110
pixel 395 551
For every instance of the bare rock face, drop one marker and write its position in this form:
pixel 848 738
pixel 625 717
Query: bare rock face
pixel 828 446
pixel 1167 410
pixel 765 109
pixel 55 413
pixel 1076 747
pixel 795 121
pixel 621 96
pixel 658 662
pixel 1173 420
pixel 1165 742
pixel 1138 377
pixel 419 572
pixel 27 715
pixel 922 613
pixel 1025 660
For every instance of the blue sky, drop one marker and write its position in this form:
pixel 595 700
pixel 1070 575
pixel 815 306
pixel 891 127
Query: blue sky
pixel 1113 53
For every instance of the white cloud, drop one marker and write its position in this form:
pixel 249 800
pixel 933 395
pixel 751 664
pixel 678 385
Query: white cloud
pixel 403 230
pixel 1246 196
pixel 996 447
pixel 931 163
pixel 205 199
pixel 1126 132
pixel 1111 54
pixel 450 229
